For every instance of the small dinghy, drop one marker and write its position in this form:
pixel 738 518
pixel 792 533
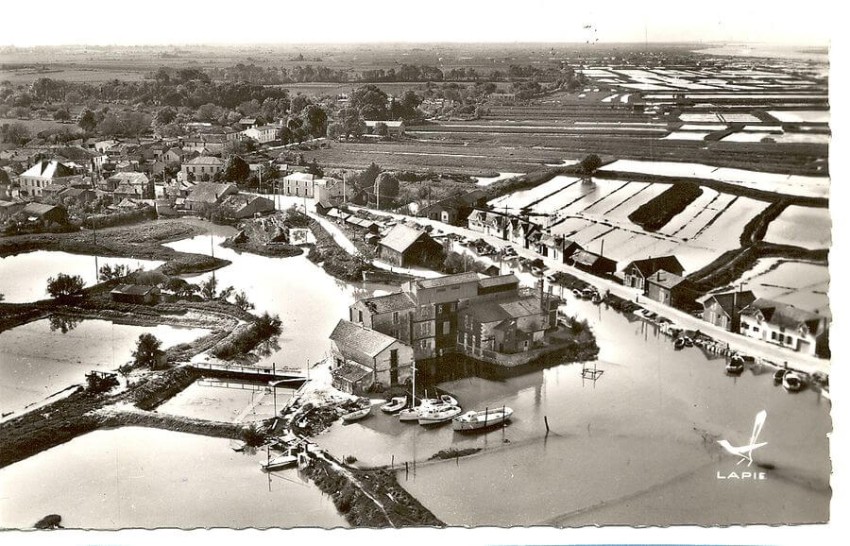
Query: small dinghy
pixel 792 382
pixel 779 375
pixel 394 405
pixel 735 365
pixel 357 414
pixel 448 400
pixel 279 462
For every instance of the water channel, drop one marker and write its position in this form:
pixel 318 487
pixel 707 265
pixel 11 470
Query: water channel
pixel 637 445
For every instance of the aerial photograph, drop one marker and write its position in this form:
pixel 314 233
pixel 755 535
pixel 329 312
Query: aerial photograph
pixel 548 268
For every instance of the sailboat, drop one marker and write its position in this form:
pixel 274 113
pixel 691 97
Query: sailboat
pixel 411 414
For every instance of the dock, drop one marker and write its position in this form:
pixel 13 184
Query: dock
pixel 284 377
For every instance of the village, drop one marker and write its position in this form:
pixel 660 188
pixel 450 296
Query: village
pixel 363 256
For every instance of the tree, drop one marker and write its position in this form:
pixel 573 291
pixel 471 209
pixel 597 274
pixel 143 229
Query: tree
pixel 110 273
pixel 88 121
pixel 352 122
pixel 16 133
pixel 314 169
pixel 366 179
pixel 317 120
pixel 242 302
pixel 65 286
pixel 381 129
pixel 335 130
pixel 148 351
pixel 166 115
pixel 62 114
pixel 236 170
pixel 590 163
pixel 298 103
pixel 208 112
pixel 208 288
pixel 386 186
pixel 370 101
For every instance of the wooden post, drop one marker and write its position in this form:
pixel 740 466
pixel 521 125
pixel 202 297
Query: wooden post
pixel 546 421
pixel 406 470
pixel 392 463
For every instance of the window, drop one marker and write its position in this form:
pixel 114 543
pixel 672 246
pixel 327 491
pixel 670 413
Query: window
pixel 395 317
pixel 359 316
pixel 447 327
pixel 755 329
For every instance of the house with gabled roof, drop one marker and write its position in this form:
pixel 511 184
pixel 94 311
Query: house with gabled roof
pixel 403 246
pixel 364 357
pixel 201 166
pixel 787 326
pixel 671 289
pixel 592 263
pixel 724 310
pixel 206 194
pixel 636 272
pixel 46 173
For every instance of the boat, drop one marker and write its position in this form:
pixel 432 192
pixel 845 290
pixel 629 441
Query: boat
pixel 735 365
pixel 448 400
pixel 688 341
pixel 478 420
pixel 281 461
pixel 438 414
pixel 394 405
pixel 679 343
pixel 596 298
pixel 357 414
pixel 412 414
pixel 237 445
pixel 792 382
pixel 779 375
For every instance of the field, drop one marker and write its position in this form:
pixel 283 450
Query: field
pixel 806 227
pixel 37 125
pixel 801 284
pixel 596 214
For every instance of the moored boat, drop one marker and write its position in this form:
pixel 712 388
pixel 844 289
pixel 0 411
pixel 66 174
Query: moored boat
pixel 679 343
pixel 394 405
pixel 779 375
pixel 478 420
pixel 357 414
pixel 281 461
pixel 792 382
pixel 735 365
pixel 412 414
pixel 448 400
pixel 438 414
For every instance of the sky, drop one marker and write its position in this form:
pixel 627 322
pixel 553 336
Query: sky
pixel 349 21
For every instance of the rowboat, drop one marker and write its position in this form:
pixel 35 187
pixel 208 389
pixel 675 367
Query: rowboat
pixel 735 365
pixel 394 405
pixel 237 445
pixel 357 414
pixel 477 420
pixel 438 414
pixel 448 400
pixel 792 382
pixel 779 375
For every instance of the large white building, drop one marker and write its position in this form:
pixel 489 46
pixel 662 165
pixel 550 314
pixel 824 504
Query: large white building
pixel 46 173
pixel 299 184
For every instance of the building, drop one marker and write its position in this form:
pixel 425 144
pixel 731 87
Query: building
pixel 394 128
pixel 488 223
pixel 202 166
pixel 10 208
pixel 671 289
pixel 785 325
pixel 45 173
pixel 404 246
pixel 262 134
pixel 556 247
pixel 246 206
pixel 390 314
pixel 506 323
pixel 636 272
pixel 453 210
pixel 207 194
pixel 592 263
pixel 139 294
pixel 43 214
pixel 247 123
pixel 299 184
pixel 724 310
pixel 364 357
pixel 134 179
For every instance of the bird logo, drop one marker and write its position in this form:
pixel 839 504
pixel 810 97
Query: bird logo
pixel 745 452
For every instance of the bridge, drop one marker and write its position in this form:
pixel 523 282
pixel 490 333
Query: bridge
pixel 284 376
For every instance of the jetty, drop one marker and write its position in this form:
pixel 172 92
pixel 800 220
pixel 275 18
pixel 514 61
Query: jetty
pixel 289 377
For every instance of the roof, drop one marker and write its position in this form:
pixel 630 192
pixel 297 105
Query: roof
pixel 649 266
pixel 666 279
pixel 401 237
pixel 242 200
pixel 206 160
pixel 359 339
pixel 299 177
pixel 48 169
pixel 488 282
pixel 350 372
pixel 208 192
pixel 136 179
pixel 588 259
pixel 248 120
pixel 785 315
pixel 390 303
pixel 730 301
pixel 372 123
pixel 448 280
pixel 39 209
pixel 497 311
pixel 133 289
pixel 523 307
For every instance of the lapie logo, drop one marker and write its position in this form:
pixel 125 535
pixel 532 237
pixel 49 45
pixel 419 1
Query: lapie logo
pixel 745 452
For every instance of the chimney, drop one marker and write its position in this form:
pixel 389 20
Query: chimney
pixel 660 275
